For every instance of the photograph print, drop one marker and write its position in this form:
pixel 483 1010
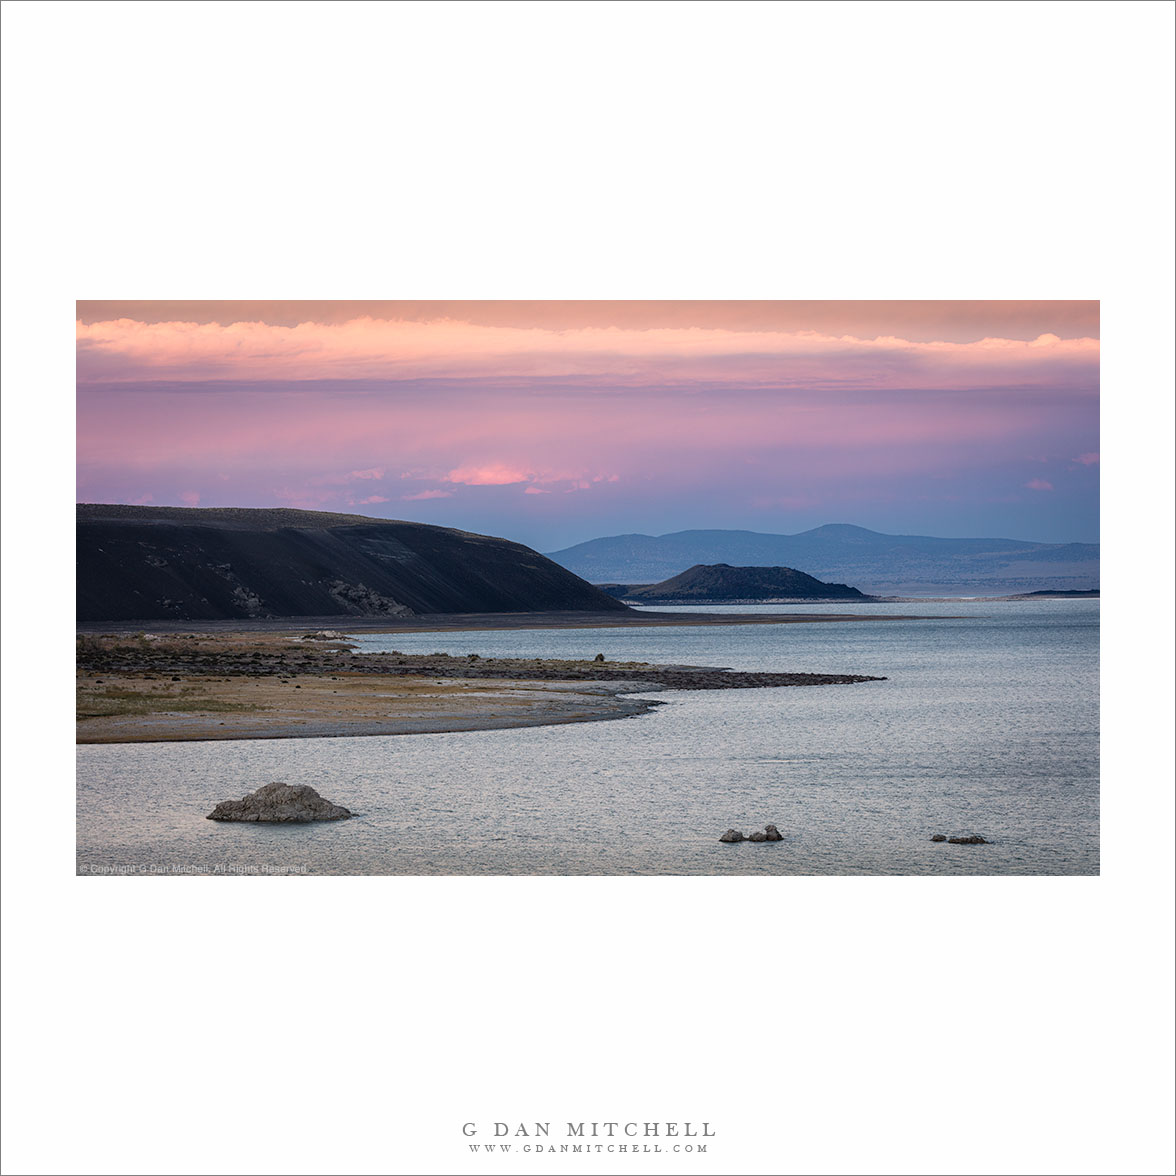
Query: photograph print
pixel 587 588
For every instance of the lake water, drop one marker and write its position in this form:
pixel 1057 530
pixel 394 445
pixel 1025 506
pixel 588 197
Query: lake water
pixel 988 723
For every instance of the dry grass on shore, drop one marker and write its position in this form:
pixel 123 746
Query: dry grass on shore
pixel 137 710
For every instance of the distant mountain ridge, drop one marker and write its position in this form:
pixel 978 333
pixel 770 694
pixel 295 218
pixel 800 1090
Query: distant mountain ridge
pixel 875 562
pixel 719 583
pixel 184 563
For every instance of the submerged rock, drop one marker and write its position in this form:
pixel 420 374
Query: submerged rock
pixel 757 836
pixel 939 837
pixel 732 835
pixel 279 802
pixel 973 839
pixel 771 833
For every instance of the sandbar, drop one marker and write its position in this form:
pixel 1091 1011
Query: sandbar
pixel 153 687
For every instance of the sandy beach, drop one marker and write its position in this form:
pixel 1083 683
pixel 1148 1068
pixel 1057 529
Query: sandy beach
pixel 153 687
pixel 126 709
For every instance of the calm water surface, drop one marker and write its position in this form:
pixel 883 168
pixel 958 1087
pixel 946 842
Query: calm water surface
pixel 988 722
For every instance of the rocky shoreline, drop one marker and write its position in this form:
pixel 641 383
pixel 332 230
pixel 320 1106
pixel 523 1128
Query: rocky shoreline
pixel 295 657
pixel 149 687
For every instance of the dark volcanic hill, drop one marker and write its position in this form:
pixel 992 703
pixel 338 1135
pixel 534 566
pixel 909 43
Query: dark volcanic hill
pixel 715 583
pixel 179 563
pixel 853 555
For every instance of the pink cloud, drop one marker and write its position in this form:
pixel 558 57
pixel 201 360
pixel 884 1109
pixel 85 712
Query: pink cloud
pixel 507 474
pixel 924 320
pixel 367 348
pixel 1038 484
pixel 670 414
pixel 167 439
pixel 493 474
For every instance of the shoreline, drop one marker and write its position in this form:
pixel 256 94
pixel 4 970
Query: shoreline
pixel 149 688
pixel 468 622
pixel 442 712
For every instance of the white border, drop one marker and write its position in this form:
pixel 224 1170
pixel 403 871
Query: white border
pixel 547 150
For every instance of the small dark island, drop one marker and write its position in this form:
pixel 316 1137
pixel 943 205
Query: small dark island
pixel 724 584
pixel 1059 594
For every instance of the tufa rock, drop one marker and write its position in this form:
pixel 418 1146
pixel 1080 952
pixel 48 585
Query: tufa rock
pixel 939 837
pixel 770 833
pixel 974 839
pixel 279 803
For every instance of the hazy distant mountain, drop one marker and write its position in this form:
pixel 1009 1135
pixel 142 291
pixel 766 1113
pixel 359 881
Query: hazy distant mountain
pixel 717 583
pixel 875 562
pixel 178 563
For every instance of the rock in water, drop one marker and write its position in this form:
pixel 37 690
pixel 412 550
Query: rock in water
pixel 939 837
pixel 732 835
pixel 974 839
pixel 757 836
pixel 771 833
pixel 281 803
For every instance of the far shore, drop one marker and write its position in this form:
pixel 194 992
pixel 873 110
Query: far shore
pixel 469 622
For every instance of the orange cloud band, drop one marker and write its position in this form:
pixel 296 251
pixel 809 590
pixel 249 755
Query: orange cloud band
pixel 367 348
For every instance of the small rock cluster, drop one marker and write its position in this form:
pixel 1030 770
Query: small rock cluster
pixel 770 833
pixel 972 839
pixel 281 803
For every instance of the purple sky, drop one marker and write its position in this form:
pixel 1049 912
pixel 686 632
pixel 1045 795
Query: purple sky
pixel 557 422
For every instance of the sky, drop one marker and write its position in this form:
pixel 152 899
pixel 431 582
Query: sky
pixel 556 422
